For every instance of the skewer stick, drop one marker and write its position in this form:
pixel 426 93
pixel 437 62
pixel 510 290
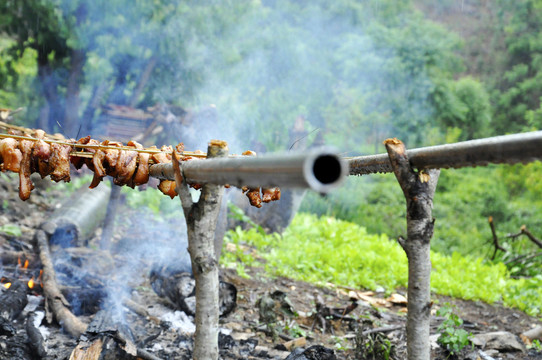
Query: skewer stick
pixel 100 147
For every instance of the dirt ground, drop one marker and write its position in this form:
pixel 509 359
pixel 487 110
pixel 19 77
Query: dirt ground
pixel 273 315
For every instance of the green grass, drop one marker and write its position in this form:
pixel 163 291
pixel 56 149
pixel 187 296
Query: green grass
pixel 324 249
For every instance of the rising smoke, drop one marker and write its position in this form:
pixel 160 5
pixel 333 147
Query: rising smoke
pixel 258 64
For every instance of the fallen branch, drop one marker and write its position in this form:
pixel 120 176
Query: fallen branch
pixel 141 311
pixel 532 334
pixel 55 304
pixel 523 257
pixel 383 329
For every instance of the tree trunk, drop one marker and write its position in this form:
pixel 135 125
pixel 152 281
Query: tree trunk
pixel 201 219
pixel 71 110
pixel 52 110
pixel 143 80
pixel 418 188
pixel 90 110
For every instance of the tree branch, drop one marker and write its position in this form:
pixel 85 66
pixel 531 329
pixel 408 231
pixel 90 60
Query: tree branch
pixel 523 231
pixel 496 244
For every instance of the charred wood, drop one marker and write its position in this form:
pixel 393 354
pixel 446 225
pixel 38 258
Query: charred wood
pixel 141 311
pixel 108 337
pixel 35 339
pixel 13 301
pixel 15 257
pixel 315 352
pixel 179 287
pixel 6 327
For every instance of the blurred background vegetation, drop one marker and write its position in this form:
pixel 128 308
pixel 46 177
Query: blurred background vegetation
pixel 426 72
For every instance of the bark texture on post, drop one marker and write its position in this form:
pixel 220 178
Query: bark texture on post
pixel 418 188
pixel 201 220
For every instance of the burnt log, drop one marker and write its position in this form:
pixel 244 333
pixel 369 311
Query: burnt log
pixel 108 338
pixel 77 218
pixel 35 339
pixel 12 343
pixel 178 286
pixel 315 352
pixel 15 257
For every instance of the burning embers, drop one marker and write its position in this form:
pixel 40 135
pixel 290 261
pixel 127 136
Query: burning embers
pixel 21 273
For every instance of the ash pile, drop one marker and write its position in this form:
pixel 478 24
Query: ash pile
pixel 64 295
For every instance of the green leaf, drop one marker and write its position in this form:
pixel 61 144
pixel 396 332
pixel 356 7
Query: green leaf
pixel 11 230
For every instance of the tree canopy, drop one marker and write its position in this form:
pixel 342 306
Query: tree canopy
pixel 358 72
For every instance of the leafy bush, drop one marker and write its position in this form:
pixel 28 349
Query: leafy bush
pixel 453 338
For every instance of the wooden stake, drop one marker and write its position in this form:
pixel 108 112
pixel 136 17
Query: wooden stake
pixel 418 189
pixel 201 219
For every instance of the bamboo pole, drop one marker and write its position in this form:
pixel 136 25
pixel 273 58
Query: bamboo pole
pixel 507 149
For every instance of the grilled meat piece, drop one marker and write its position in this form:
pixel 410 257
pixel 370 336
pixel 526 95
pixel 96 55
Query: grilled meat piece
pixel 270 194
pixel 59 162
pixel 126 166
pixel 254 197
pixel 25 184
pixel 167 187
pixel 78 162
pixel 111 158
pixel 10 155
pixel 141 175
pixel 99 171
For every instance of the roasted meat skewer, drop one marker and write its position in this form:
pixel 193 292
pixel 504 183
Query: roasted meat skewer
pixel 128 165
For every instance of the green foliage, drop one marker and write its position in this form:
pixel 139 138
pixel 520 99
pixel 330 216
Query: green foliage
pixel 373 346
pixel 467 277
pixel 161 206
pixel 453 338
pixel 322 250
pixel 375 202
pixel 520 293
pixel 369 65
pixel 536 345
pixel 464 104
pixel 11 230
pixel 464 200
